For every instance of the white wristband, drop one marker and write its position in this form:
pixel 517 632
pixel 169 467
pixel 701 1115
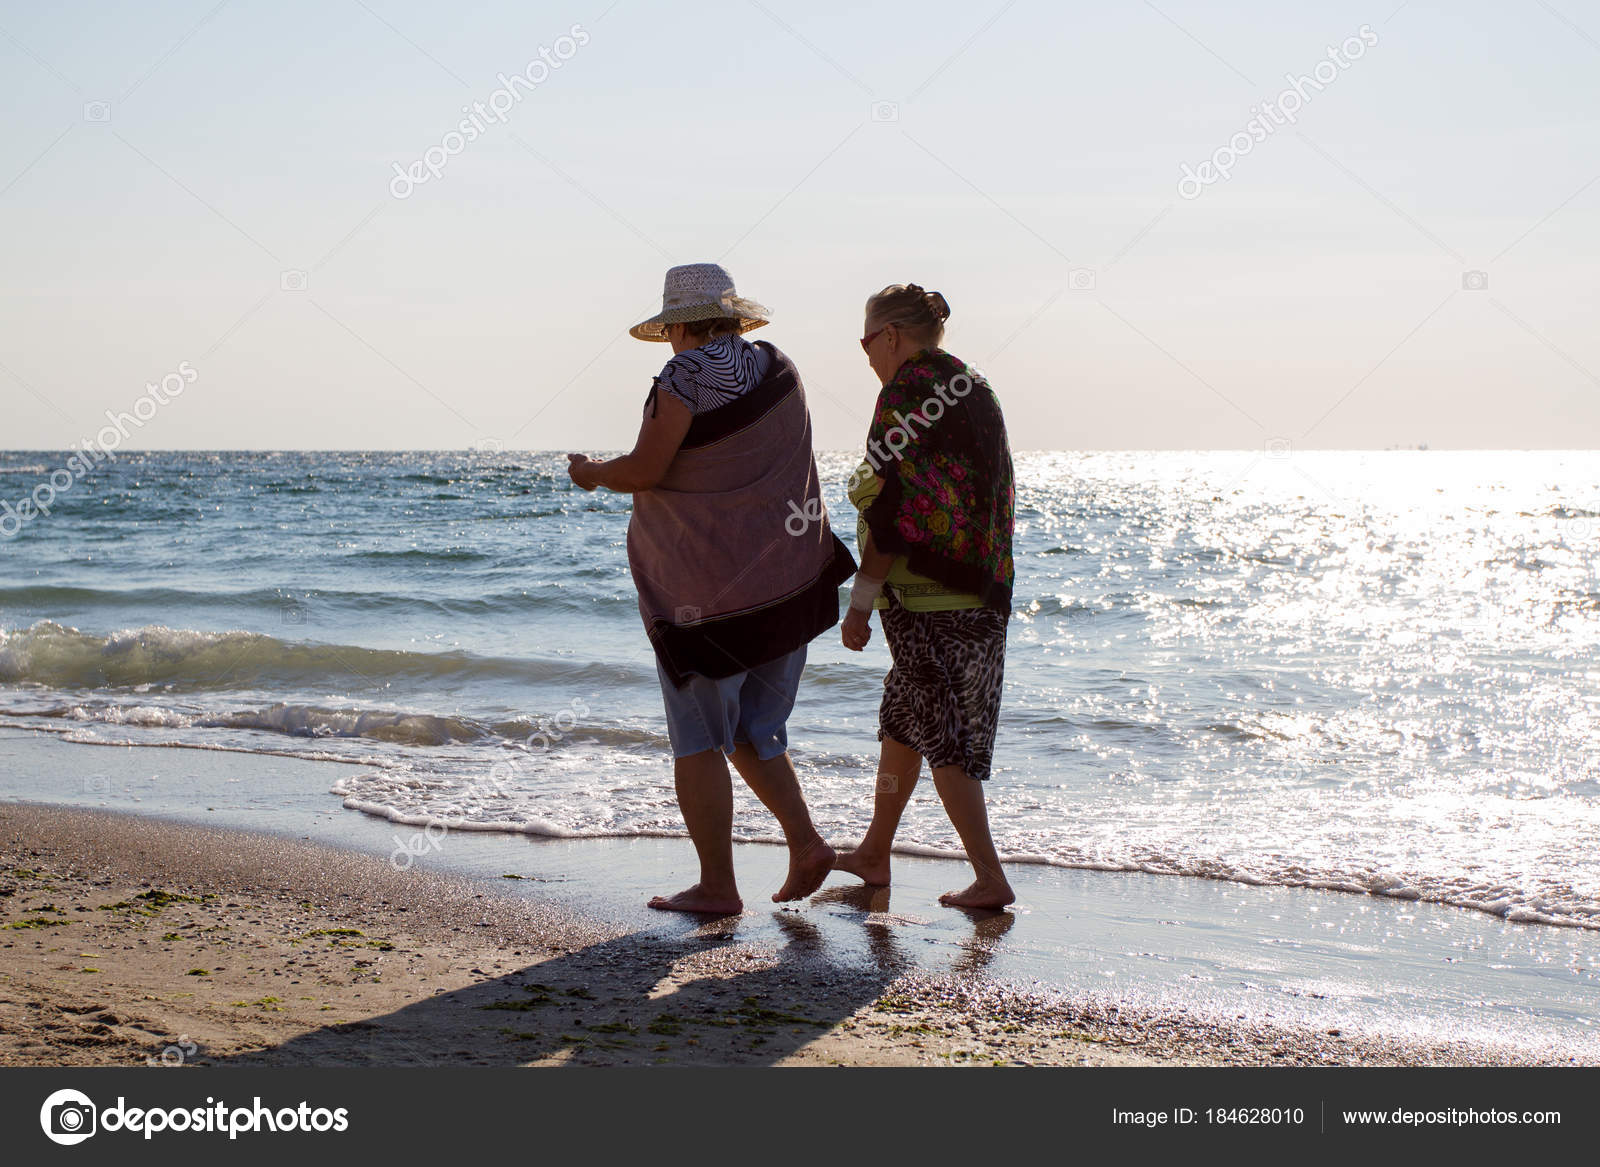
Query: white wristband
pixel 864 591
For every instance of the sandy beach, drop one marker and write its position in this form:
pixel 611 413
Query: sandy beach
pixel 130 940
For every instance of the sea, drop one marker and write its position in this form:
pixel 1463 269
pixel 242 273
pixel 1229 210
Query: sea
pixel 1368 672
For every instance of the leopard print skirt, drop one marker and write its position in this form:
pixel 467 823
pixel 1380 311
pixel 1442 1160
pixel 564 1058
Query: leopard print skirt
pixel 942 697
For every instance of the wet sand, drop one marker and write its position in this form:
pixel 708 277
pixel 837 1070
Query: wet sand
pixel 128 940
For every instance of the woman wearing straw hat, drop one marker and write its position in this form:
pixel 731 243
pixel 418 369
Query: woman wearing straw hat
pixel 736 566
pixel 936 497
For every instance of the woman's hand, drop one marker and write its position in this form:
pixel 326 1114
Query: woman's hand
pixel 857 629
pixel 660 435
pixel 582 471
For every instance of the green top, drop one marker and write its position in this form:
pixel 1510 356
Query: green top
pixel 917 593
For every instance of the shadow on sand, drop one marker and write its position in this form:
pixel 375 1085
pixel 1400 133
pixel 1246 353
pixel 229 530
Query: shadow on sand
pixel 697 997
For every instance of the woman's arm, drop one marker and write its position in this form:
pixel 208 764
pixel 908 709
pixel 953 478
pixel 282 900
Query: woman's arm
pixel 875 565
pixel 660 436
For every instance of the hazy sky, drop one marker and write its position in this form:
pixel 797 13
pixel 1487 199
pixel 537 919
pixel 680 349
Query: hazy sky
pixel 214 184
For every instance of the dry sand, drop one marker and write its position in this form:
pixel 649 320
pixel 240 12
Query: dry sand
pixel 126 941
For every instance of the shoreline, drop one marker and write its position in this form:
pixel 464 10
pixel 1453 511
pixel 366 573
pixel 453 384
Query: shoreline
pixel 155 942
pixel 1382 888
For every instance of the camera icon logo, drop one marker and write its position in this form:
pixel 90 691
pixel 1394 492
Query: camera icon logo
pixel 1081 279
pixel 293 280
pixel 1582 523
pixel 1475 281
pixel 885 111
pixel 68 1117
pixel 97 111
pixel 1279 448
pixel 686 614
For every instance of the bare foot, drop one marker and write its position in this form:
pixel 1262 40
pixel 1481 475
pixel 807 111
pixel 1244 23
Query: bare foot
pixel 807 870
pixel 695 899
pixel 872 870
pixel 981 894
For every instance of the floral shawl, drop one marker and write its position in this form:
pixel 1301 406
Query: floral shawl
pixel 938 440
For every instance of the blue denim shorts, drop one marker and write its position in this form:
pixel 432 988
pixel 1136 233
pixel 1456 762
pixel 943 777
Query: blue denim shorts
pixel 753 706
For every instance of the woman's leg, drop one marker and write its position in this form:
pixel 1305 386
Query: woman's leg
pixel 899 766
pixel 962 796
pixel 778 787
pixel 766 699
pixel 705 796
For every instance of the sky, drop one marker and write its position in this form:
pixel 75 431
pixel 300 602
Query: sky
pixel 217 188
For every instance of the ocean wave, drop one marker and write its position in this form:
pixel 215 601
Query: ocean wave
pixel 395 727
pixel 532 599
pixel 419 555
pixel 407 729
pixel 58 596
pixel 521 826
pixel 181 659
pixel 537 597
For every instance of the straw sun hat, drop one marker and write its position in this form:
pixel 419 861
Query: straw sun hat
pixel 699 291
